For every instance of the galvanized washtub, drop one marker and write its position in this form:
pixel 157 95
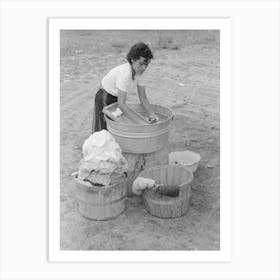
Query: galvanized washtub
pixel 140 138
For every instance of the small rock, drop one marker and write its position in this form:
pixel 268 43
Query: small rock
pixel 181 84
pixel 79 51
pixel 210 165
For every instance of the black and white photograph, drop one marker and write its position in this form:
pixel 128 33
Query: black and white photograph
pixel 140 140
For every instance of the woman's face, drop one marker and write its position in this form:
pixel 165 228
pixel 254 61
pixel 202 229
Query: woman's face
pixel 140 65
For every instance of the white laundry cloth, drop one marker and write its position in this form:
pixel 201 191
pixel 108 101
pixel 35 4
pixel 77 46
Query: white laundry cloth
pixel 141 184
pixel 117 113
pixel 101 145
pixel 101 154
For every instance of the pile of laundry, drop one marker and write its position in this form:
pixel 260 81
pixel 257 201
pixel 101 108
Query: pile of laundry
pixel 102 163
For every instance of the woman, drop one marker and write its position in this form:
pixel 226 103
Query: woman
pixel 121 81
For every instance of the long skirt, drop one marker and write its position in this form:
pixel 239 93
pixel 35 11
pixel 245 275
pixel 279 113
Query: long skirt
pixel 102 99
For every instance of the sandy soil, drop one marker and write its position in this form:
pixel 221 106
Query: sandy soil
pixel 184 76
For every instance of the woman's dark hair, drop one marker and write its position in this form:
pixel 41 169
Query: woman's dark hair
pixel 139 50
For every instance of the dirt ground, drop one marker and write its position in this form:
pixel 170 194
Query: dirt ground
pixel 184 76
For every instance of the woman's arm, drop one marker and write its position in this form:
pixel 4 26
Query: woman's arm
pixel 126 110
pixel 145 102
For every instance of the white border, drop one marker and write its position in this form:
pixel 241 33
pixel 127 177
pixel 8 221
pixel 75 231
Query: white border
pixel 55 254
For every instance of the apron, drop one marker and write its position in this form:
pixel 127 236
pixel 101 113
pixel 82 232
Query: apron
pixel 102 99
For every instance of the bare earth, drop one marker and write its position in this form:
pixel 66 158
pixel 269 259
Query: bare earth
pixel 184 76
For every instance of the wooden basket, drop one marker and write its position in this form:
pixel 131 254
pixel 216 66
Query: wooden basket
pixel 101 203
pixel 164 206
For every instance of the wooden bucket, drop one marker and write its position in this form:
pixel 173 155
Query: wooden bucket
pixel 140 138
pixel 164 206
pixel 101 203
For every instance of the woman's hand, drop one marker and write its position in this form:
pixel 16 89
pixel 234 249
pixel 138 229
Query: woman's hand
pixel 126 110
pixel 153 118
